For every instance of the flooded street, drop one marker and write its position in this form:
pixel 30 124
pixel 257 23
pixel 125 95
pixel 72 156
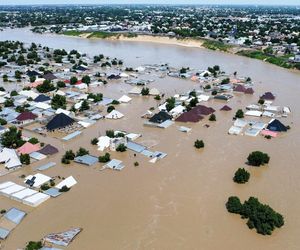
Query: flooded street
pixel 179 202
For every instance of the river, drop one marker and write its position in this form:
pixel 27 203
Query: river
pixel 178 203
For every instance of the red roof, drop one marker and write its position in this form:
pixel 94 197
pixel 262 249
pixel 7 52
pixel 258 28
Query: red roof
pixel 239 88
pixel 226 108
pixel 26 116
pixel 249 91
pixel 189 117
pixel 203 110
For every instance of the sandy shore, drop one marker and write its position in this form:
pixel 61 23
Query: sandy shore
pixel 163 40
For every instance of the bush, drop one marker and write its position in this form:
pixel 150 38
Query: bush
pixel 121 148
pixel 3 122
pixel 157 97
pixel 110 108
pixel 115 102
pixel 33 140
pixel 239 114
pixel 105 158
pixel 45 186
pixel 94 141
pixel 136 164
pixel 82 152
pixel 212 118
pixel 64 189
pixel 145 91
pixel 110 133
pixel 67 157
pixel 199 144
pixel 260 216
pixel 241 176
pixel 34 245
pixel 3 211
pixel 258 158
pixel 25 159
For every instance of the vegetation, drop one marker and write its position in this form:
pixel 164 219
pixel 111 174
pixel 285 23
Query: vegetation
pixel 12 138
pixel 25 159
pixel 239 114
pixel 121 148
pixel 110 108
pixel 145 91
pixel 216 45
pixel 33 140
pixel 258 158
pixel 45 87
pixel 34 245
pixel 67 157
pixel 59 101
pixel 212 118
pixel 170 103
pixel 199 144
pixel 94 141
pixel 105 158
pixel 241 176
pixel 82 152
pixel 260 216
pixel 64 189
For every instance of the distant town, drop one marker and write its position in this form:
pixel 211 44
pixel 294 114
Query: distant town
pixel 262 32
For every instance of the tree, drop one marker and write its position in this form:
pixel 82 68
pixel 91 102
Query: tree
pixel 60 84
pixel 59 101
pixel 14 93
pixel 2 122
pixel 239 114
pixel 241 176
pixel 86 79
pixel 84 106
pixel 94 141
pixel 9 103
pixel 115 102
pixel 82 152
pixel 110 108
pixel 121 148
pixel 157 97
pixel 25 159
pixel 194 102
pixel 110 133
pixel 45 87
pixel 212 118
pixel 258 158
pixel 199 144
pixel 33 140
pixel 67 157
pixel 105 158
pixel 12 138
pixel 234 205
pixel 73 80
pixel 260 216
pixel 170 103
pixel 261 101
pixel 145 91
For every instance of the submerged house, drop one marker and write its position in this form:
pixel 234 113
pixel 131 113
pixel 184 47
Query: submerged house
pixel 26 117
pixel 276 126
pixel 160 117
pixel 61 120
pixel 9 158
pixel 268 96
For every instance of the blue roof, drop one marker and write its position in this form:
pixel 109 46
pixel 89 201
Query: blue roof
pixel 53 192
pixel 135 147
pixel 15 215
pixel 3 233
pixel 106 101
pixel 72 135
pixel 46 166
pixel 86 160
pixel 42 98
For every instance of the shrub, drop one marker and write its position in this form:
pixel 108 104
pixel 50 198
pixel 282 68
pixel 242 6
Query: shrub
pixel 82 152
pixel 110 108
pixel 145 91
pixel 199 144
pixel 3 211
pixel 34 245
pixel 3 122
pixel 64 189
pixel 115 102
pixel 239 114
pixel 241 176
pixel 110 133
pixel 33 140
pixel 94 141
pixel 136 164
pixel 25 159
pixel 212 118
pixel 45 186
pixel 157 97
pixel 258 158
pixel 121 148
pixel 105 158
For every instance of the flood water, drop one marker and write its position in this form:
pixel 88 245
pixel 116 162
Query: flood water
pixel 179 202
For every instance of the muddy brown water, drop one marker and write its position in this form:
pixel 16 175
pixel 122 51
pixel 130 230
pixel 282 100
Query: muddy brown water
pixel 179 202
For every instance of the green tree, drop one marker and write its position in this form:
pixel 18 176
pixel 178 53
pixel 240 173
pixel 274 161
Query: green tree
pixel 241 176
pixel 73 80
pixel 12 138
pixel 82 152
pixel 58 101
pixel 86 79
pixel 212 118
pixel 25 159
pixel 258 158
pixel 239 114
pixel 145 91
pixel 121 148
pixel 199 144
pixel 105 158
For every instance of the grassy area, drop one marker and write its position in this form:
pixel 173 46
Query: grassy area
pixel 73 33
pixel 279 61
pixel 216 45
pixel 102 34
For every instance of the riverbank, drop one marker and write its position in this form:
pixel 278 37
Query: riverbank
pixel 187 42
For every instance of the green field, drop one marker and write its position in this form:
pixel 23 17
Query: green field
pixel 216 45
